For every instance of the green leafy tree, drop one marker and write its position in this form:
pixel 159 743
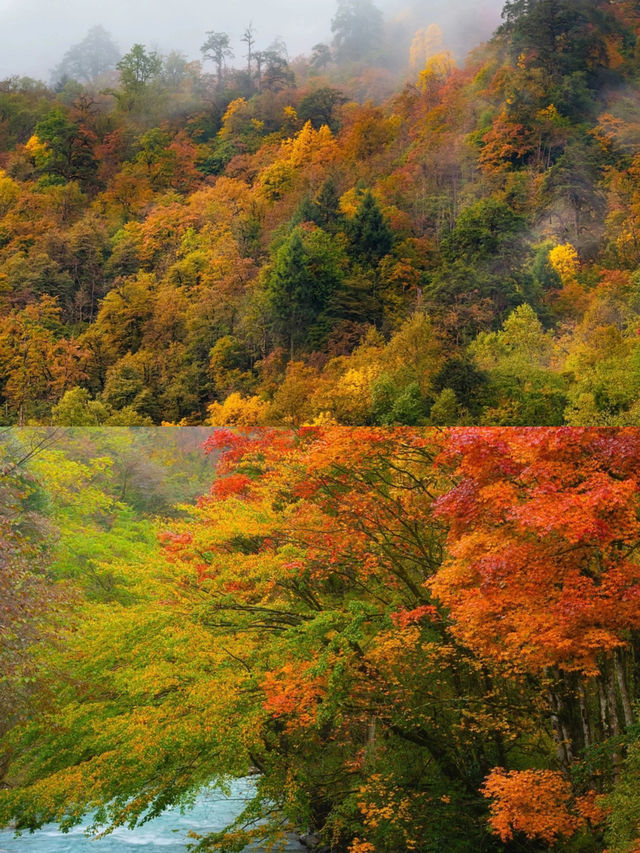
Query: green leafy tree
pixel 137 68
pixel 445 411
pixel 32 607
pixel 468 384
pixel 488 230
pixel 561 36
pixel 66 150
pixel 306 272
pixel 319 107
pixel 519 362
pixel 76 408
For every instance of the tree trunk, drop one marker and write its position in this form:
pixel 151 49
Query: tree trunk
pixel 622 687
pixel 584 715
pixel 558 730
pixel 612 702
pixel 612 713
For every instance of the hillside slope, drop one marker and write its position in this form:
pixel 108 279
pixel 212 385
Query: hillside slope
pixel 289 242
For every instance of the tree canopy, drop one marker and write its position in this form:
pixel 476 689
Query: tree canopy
pixel 418 638
pixel 315 210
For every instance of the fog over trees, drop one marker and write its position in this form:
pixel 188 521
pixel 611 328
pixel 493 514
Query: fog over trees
pixel 35 35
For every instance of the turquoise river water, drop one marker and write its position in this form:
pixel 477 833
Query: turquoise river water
pixel 166 834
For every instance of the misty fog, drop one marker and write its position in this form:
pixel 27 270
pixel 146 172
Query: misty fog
pixel 35 34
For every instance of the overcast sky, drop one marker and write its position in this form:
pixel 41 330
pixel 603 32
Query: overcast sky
pixel 34 34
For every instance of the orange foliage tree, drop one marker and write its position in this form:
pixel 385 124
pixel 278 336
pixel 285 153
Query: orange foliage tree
pixel 542 576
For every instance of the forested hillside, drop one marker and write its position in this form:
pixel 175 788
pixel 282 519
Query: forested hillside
pixel 419 640
pixel 374 234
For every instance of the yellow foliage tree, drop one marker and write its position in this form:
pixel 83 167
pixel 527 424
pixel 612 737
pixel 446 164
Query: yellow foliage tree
pixel 9 192
pixel 564 260
pixel 238 411
pixel 309 147
pixel 426 42
pixel 436 70
pixel 237 119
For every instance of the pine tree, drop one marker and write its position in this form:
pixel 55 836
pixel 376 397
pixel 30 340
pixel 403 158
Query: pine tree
pixel 306 272
pixel 371 236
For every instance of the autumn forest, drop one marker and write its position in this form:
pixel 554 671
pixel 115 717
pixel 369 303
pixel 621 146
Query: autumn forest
pixel 417 640
pixel 378 233
pixel 320 440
